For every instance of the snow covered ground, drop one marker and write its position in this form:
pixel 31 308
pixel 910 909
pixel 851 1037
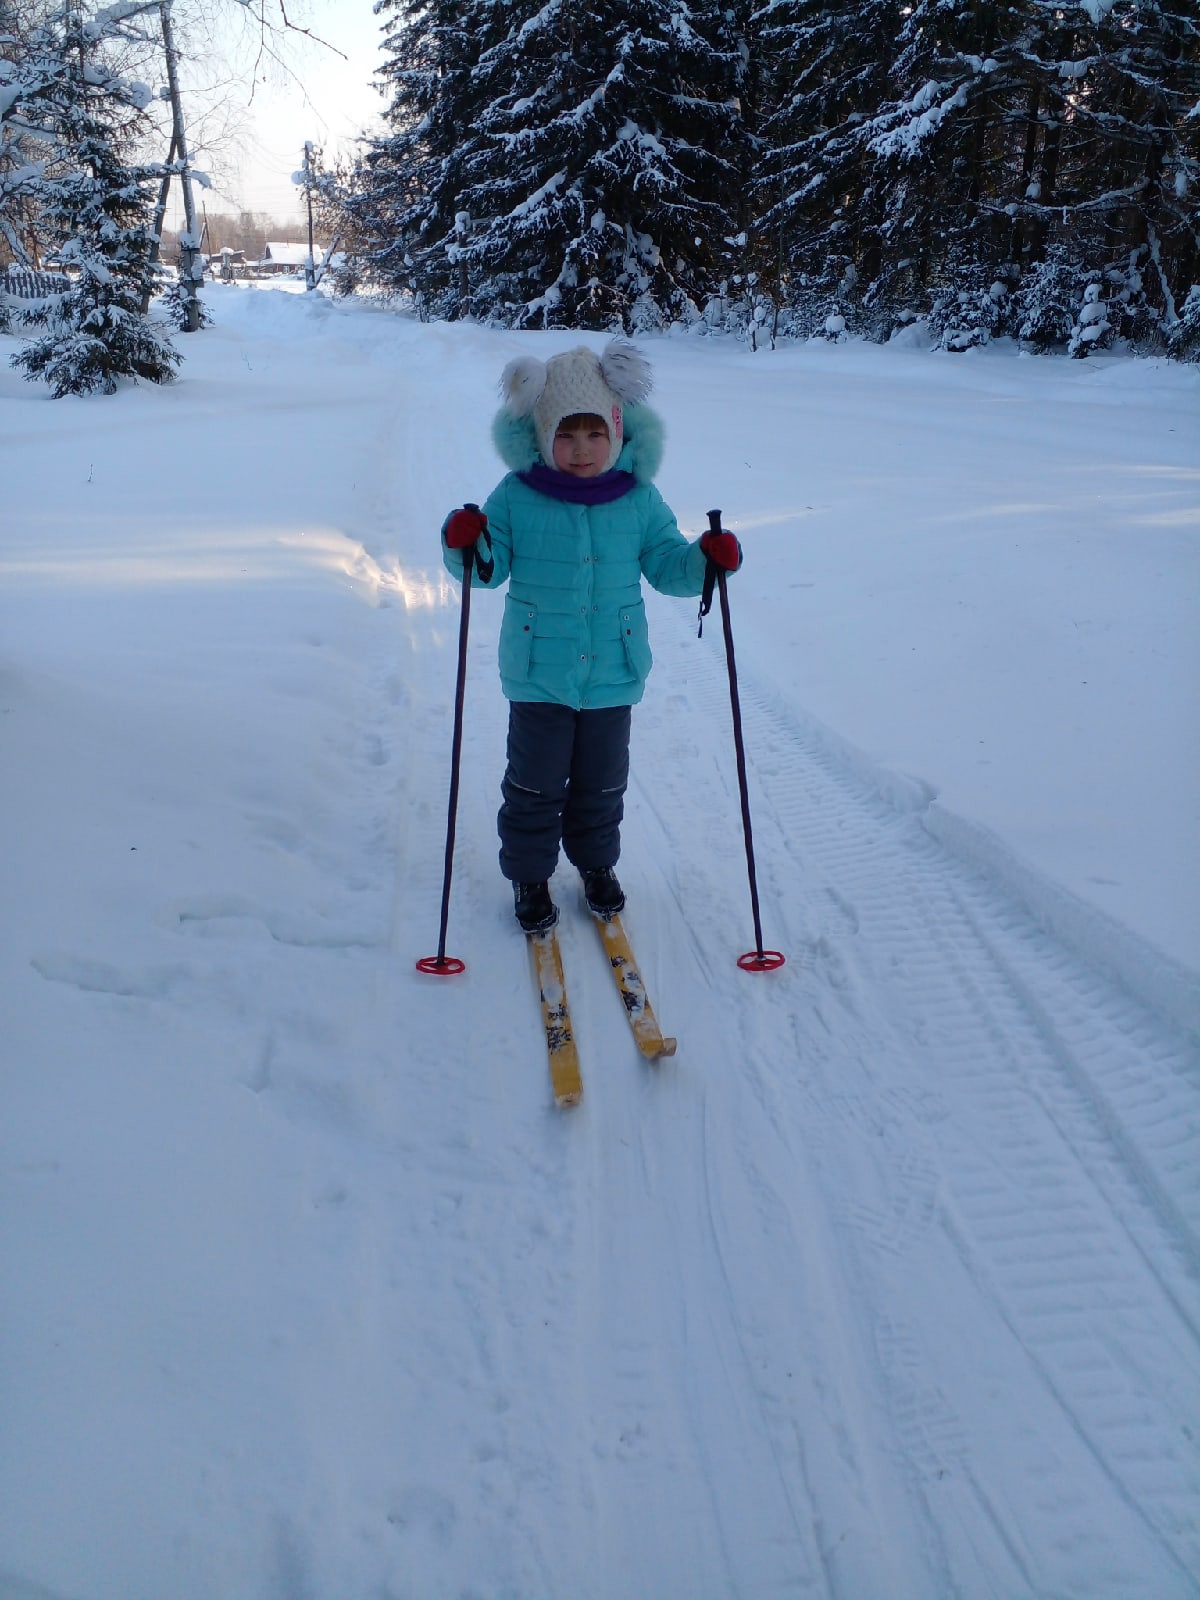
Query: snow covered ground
pixel 887 1286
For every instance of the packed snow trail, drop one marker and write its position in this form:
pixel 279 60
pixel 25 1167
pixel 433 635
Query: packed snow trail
pixel 960 1164
pixel 987 1128
pixel 886 1286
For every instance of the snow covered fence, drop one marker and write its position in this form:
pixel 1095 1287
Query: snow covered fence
pixel 27 285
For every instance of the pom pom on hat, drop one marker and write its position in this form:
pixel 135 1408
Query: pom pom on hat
pixel 521 385
pixel 574 383
pixel 626 371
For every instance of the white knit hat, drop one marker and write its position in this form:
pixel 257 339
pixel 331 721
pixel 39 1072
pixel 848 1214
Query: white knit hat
pixel 577 382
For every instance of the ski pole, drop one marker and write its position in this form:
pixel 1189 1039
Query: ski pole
pixel 758 959
pixel 442 965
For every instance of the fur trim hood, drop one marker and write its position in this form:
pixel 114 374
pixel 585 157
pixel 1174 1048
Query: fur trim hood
pixel 642 454
pixel 539 394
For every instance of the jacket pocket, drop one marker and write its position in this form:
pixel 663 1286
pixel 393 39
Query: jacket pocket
pixel 516 638
pixel 635 637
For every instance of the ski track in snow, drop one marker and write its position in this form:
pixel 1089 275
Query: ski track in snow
pixel 976 1096
pixel 886 1285
pixel 932 1094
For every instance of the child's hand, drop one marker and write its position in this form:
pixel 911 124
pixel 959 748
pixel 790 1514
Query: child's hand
pixel 722 548
pixel 461 529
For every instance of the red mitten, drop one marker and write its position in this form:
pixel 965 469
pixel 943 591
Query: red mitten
pixel 461 529
pixel 722 548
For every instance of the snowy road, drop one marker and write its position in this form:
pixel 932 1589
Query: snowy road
pixel 886 1287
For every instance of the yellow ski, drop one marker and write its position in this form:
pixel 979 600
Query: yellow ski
pixel 651 1040
pixel 556 1019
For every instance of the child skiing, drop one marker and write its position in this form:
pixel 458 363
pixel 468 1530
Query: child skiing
pixel 574 527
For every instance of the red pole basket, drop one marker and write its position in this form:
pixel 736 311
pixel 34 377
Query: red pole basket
pixel 761 960
pixel 441 966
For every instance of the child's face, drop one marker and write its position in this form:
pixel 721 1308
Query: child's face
pixel 581 446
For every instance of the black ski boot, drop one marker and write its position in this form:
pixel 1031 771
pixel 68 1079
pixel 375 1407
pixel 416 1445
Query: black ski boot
pixel 535 910
pixel 603 892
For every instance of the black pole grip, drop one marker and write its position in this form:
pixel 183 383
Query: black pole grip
pixel 710 575
pixel 484 565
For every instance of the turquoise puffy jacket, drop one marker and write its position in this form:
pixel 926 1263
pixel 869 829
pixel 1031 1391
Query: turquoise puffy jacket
pixel 574 630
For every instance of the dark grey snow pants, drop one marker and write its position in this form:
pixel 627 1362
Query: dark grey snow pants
pixel 565 784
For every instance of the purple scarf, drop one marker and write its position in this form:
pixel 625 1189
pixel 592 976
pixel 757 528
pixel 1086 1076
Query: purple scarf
pixel 597 491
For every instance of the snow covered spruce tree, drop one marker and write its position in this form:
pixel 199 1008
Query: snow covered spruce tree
pixel 1110 170
pixel 95 206
pixel 1081 162
pixel 743 301
pixel 940 153
pixel 605 185
pixel 996 167
pixel 554 166
pixel 31 69
pixel 402 199
pixel 821 211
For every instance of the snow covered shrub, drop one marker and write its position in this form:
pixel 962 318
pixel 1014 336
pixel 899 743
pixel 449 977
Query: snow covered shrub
pixel 1045 301
pixel 645 315
pixel 908 330
pixel 1092 329
pixel 965 315
pixel 834 326
pixel 823 303
pixel 837 311
pixel 745 309
pixel 766 316
pixel 96 333
pixel 174 306
pixel 1183 337
pixel 744 306
pixel 722 314
pixel 1130 312
pixel 345 276
pixel 93 337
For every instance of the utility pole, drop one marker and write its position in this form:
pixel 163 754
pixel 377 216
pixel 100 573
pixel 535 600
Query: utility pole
pixel 310 266
pixel 160 216
pixel 191 274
